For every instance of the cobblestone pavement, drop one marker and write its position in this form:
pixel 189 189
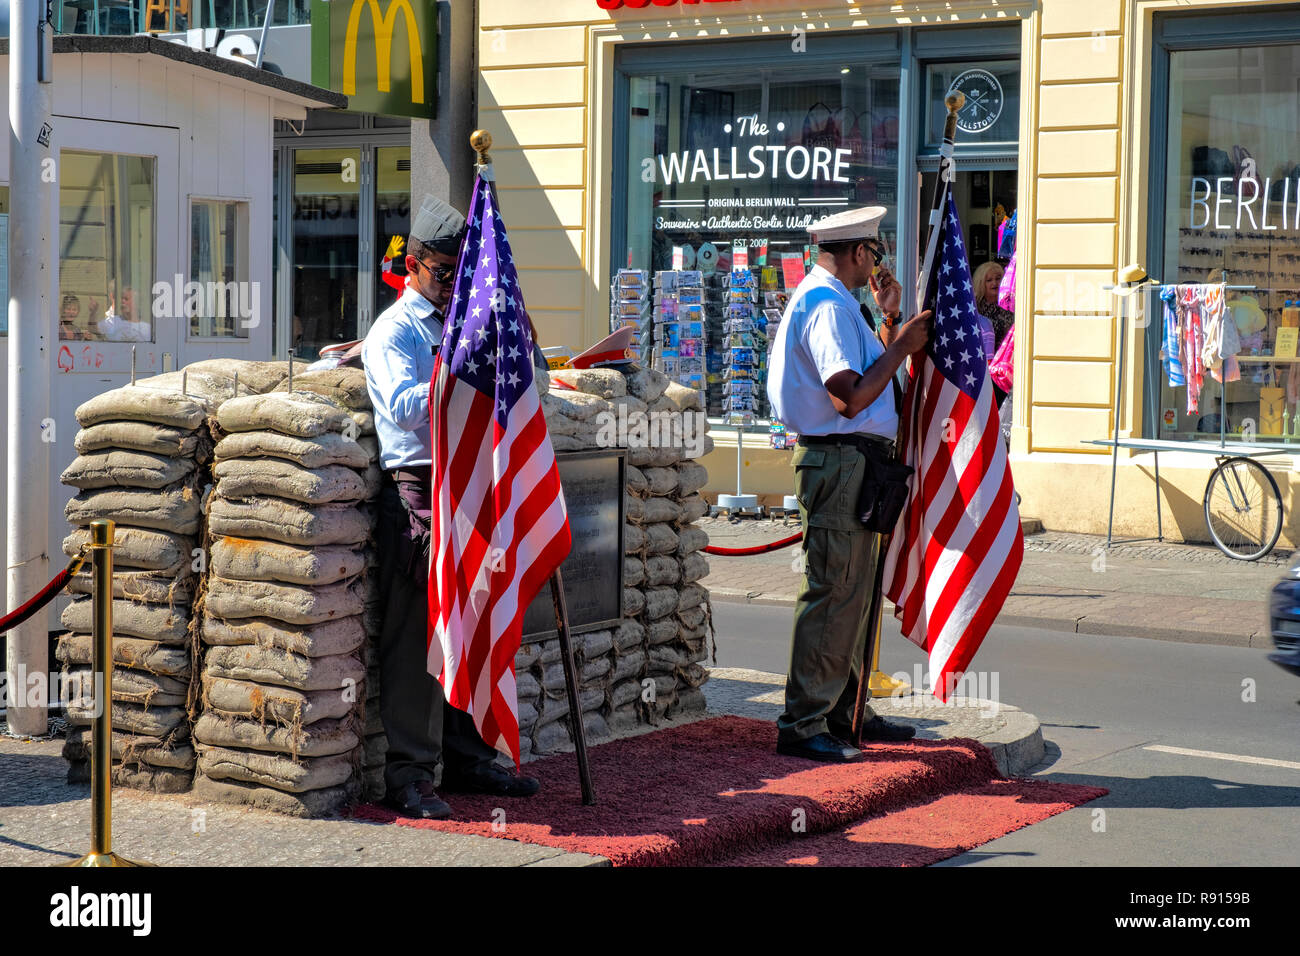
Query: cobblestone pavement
pixel 1067 581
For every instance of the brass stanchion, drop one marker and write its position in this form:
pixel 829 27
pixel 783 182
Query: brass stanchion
pixel 101 735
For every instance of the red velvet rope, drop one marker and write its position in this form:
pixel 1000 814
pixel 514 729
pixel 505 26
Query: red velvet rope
pixel 43 597
pixel 755 549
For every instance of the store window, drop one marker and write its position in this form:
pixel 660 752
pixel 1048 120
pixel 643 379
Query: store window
pixel 392 218
pixel 1231 218
pixel 222 302
pixel 106 246
pixel 4 259
pixel 326 207
pixel 725 171
pixel 991 113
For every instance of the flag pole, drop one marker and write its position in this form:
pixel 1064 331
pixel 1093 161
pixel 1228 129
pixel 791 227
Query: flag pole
pixel 954 101
pixel 481 142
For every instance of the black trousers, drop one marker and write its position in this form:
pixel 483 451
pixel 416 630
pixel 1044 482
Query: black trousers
pixel 425 735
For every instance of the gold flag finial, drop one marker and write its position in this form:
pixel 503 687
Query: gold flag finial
pixel 481 141
pixel 955 101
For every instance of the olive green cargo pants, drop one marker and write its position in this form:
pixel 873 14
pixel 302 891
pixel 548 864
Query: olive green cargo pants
pixel 830 615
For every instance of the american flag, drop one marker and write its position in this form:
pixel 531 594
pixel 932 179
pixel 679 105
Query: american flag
pixel 957 547
pixel 499 525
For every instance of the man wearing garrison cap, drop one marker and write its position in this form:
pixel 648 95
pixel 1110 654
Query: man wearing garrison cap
pixel 831 382
pixel 425 736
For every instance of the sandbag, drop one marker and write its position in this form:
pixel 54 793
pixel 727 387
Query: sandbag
pixel 142 586
pixel 595 643
pixel 662 569
pixel 576 406
pixel 138 777
pixel 661 631
pixel 321 739
pixel 661 539
pixel 130 718
pixel 138 403
pixel 129 685
pixel 655 510
pixel 659 602
pixel 662 481
pixel 647 384
pixel 291 603
pixel 139 548
pixel 154 622
pixel 317 640
pixel 694 567
pixel 568 443
pixel 633 602
pixel 211 387
pixel 284 413
pixel 625 666
pixel 605 382
pixel 147 656
pixel 630 634
pixel 267 665
pixel 273 770
pixel 284 705
pixel 125 469
pixel 691 477
pixel 691 539
pixel 312 804
pixel 248 559
pixel 634 539
pixel 258 376
pixel 344 385
pixel 332 448
pixel 636 481
pixel 247 478
pixel 175 753
pixel 691 618
pixel 175 509
pixel 289 522
pixel 166 440
pixel 632 509
pixel 694 507
pixel 633 571
pixel 684 398
pixel 692 595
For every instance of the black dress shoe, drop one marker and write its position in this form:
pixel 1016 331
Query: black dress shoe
pixel 493 779
pixel 880 730
pixel 418 800
pixel 824 747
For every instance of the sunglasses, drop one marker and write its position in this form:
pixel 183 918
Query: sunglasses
pixel 442 274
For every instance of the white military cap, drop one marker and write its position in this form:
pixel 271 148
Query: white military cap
pixel 861 223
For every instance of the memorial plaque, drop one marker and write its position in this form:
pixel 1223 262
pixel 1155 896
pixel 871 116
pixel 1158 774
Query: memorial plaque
pixel 593 483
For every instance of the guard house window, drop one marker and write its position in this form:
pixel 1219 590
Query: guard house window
pixel 106 246
pixel 221 302
pixel 1232 211
pixel 745 159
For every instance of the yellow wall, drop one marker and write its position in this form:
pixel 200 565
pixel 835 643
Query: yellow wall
pixel 545 93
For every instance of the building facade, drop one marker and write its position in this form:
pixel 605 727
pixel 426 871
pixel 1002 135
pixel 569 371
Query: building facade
pixel 654 135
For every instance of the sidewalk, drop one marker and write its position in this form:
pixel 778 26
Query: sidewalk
pixel 1069 582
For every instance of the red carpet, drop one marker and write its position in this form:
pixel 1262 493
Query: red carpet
pixel 716 791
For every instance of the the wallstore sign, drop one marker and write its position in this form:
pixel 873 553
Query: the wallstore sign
pixel 638 4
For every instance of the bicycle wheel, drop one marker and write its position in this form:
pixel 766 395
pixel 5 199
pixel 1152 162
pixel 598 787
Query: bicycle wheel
pixel 1243 509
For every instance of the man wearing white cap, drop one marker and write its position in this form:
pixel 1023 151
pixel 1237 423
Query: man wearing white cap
pixel 830 382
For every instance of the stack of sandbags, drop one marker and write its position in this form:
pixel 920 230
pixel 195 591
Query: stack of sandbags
pixel 283 614
pixel 141 463
pixel 650 666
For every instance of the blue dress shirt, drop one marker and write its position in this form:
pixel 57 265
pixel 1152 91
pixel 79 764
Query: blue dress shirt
pixel 398 354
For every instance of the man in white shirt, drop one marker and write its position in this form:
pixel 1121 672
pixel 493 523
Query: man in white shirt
pixel 426 737
pixel 831 382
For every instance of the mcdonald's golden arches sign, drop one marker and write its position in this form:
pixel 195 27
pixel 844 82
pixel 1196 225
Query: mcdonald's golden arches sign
pixel 383 54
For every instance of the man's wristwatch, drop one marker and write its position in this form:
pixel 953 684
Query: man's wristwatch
pixel 891 319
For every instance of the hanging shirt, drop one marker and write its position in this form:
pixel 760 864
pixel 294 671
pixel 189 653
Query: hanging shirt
pixel 1172 349
pixel 398 356
pixel 822 332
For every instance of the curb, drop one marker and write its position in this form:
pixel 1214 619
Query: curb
pixel 1083 625
pixel 1017 745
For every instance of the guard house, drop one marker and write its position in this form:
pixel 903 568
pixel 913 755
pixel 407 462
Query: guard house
pixel 164 214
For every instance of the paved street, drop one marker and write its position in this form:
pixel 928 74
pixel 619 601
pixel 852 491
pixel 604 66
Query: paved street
pixel 1104 702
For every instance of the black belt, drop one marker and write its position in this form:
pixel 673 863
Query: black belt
pixel 418 473
pixel 863 443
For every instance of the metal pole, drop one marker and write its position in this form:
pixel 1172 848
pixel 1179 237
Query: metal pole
pixel 31 271
pixel 1114 452
pixel 740 458
pixel 101 734
pixel 266 25
pixel 871 653
pixel 571 684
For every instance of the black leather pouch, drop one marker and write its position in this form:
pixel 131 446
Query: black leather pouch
pixel 884 492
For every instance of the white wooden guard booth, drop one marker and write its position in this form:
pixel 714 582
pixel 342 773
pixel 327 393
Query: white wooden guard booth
pixel 162 182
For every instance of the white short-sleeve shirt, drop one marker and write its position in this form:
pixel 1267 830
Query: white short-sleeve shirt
pixel 821 333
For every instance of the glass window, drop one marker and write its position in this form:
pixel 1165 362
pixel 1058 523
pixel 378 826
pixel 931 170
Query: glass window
pixel 106 246
pixel 221 302
pixel 1232 214
pixel 991 113
pixel 730 164
pixel 392 216
pixel 326 204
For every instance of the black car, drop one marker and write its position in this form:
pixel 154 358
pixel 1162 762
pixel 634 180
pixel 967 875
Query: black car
pixel 1284 618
